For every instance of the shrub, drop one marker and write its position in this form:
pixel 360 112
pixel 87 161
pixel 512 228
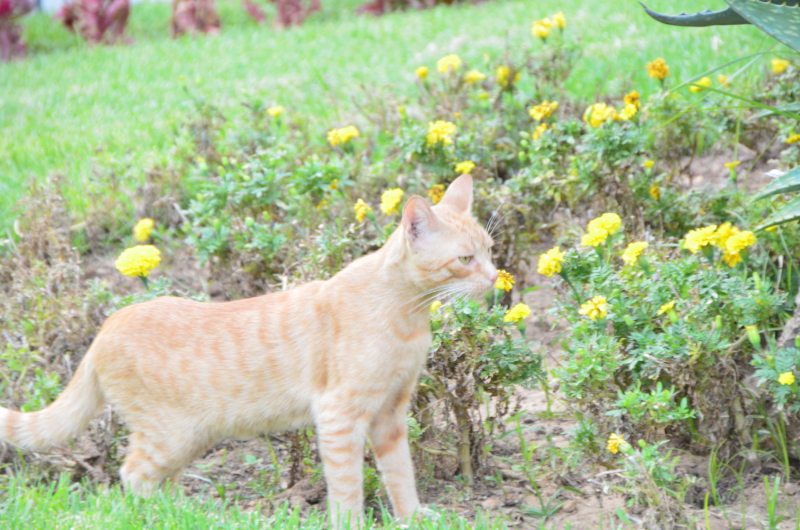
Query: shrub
pixel 194 16
pixel 96 20
pixel 12 45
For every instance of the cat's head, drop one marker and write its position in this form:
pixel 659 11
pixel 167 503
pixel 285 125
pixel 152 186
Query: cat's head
pixel 447 248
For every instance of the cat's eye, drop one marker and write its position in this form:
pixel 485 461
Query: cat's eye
pixel 465 259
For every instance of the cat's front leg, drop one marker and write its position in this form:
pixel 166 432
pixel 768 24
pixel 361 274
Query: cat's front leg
pixel 341 430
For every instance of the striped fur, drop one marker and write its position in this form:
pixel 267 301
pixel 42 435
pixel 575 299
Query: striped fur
pixel 344 354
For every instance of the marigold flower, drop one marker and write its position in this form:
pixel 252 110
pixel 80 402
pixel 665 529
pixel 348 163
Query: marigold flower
pixel 543 110
pixel 658 69
pixel 390 200
pixel 503 75
pixel 517 313
pixel 436 193
pixel 792 139
pixel 614 441
pixel 594 238
pixel 275 111
pixel 474 76
pixel 504 281
pixel 738 242
pixel 361 209
pixel 610 222
pixel 655 191
pixel 599 113
pixel 731 259
pixel 342 136
pixel 560 20
pixel 732 165
pixel 464 167
pixel 448 63
pixel 697 239
pixel 138 260
pixel 422 72
pixel 441 131
pixel 141 232
pixel 550 262
pixel 436 305
pixel 666 307
pixel 539 131
pixel 722 80
pixel 633 98
pixel 632 252
pixel 700 85
pixel 628 112
pixel 648 164
pixel 786 378
pixel 595 308
pixel 779 65
pixel 542 28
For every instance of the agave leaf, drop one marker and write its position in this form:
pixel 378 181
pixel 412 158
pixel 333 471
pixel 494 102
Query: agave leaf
pixel 789 181
pixel 780 20
pixel 790 212
pixel 726 17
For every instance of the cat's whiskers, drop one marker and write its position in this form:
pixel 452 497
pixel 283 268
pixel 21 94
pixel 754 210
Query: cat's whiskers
pixel 428 293
pixel 454 293
pixel 497 225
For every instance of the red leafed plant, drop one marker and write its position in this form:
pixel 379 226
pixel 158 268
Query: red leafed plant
pixel 12 45
pixel 379 7
pixel 291 12
pixel 96 20
pixel 194 16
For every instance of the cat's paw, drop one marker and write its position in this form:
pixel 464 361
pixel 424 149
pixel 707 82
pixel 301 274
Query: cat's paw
pixel 421 513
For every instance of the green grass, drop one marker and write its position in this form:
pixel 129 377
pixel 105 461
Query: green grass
pixel 64 505
pixel 67 100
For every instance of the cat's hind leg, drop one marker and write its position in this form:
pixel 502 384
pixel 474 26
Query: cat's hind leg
pixel 153 459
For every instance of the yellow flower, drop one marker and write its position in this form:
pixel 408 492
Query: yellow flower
pixel 275 111
pixel 633 98
pixel 722 80
pixel 614 441
pixel 436 193
pixel 441 131
pixel 648 164
pixel 483 95
pixel 504 281
pixel 779 65
pixel 322 204
pixel 731 259
pixel 361 209
pixel 658 69
pixel 436 305
pixel 738 242
pixel 628 112
pixel 141 232
pixel 732 165
pixel 595 308
pixel 697 239
pixel 542 28
pixel 448 63
pixel 786 378
pixel 390 200
pixel 723 233
pixel 594 238
pixel 666 307
pixel 474 76
pixel 793 139
pixel 543 110
pixel 517 313
pixel 610 222
pixel 464 167
pixel 422 72
pixel 539 131
pixel 700 84
pixel 550 262
pixel 632 252
pixel 655 191
pixel 597 114
pixel 503 75
pixel 342 136
pixel 560 20
pixel 138 260
pixel 334 185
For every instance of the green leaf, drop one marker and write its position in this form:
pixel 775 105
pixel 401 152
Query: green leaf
pixel 726 17
pixel 780 21
pixel 789 181
pixel 531 289
pixel 789 107
pixel 790 212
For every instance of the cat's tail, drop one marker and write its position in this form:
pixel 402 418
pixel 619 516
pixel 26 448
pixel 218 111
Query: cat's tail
pixel 65 418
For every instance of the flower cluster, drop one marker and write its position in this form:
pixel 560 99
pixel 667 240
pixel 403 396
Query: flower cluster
pixel 465 167
pixel 517 313
pixel 633 251
pixel 542 28
pixel 729 239
pixel 599 229
pixel 138 260
pixel 504 281
pixel 361 209
pixel 504 75
pixel 441 132
pixel 390 200
pixel 342 136
pixel 786 378
pixel 779 65
pixel 702 83
pixel 142 230
pixel 633 98
pixel 614 442
pixel 542 110
pixel 436 193
pixel 595 308
pixel 275 111
pixel 474 76
pixel 658 69
pixel 448 63
pixel 422 72
pixel 550 262
pixel 600 113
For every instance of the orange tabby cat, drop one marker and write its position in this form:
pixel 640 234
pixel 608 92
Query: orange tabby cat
pixel 344 354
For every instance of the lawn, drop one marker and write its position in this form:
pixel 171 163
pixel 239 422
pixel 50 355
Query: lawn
pixel 68 106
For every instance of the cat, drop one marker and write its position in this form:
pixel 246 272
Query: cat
pixel 344 354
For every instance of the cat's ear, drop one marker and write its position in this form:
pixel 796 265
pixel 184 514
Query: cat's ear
pixel 419 219
pixel 459 194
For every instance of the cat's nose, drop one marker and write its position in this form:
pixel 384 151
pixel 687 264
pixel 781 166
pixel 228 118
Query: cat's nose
pixel 494 278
